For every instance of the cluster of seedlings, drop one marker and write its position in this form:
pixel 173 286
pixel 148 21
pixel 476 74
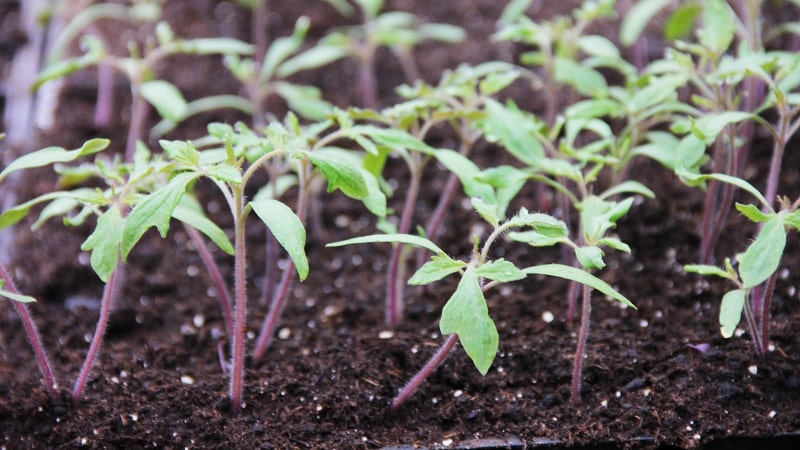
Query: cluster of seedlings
pixel 693 111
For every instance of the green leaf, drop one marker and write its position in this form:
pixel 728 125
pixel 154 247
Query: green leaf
pixel 595 45
pixel 580 276
pixel 340 174
pixel 582 78
pixel 283 47
pixel 395 238
pixel 763 256
pixel 182 152
pixel 52 155
pixel 486 210
pixel 514 10
pixel 753 213
pixel 15 296
pixel 513 129
pixel 287 229
pixel 436 269
pixel 590 257
pixel 313 58
pixel 189 213
pixel 719 26
pixel 213 46
pixel 709 126
pixel 500 270
pixel 682 21
pixel 637 18
pixel 615 243
pixel 394 138
pixel 467 315
pixel 693 179
pixel 467 173
pixel 155 210
pixel 730 311
pixel 16 213
pixel 707 270
pixel 166 99
pixel 104 242
pixel 305 100
pixel 628 187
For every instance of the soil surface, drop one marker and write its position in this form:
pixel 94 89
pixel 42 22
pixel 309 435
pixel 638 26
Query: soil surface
pixel 334 366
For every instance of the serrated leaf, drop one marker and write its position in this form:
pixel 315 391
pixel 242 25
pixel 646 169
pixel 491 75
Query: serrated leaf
pixel 165 98
pixel 16 213
pixel 709 126
pixel 467 315
pixel 500 270
pixel 287 228
pixel 154 210
pixel 730 311
pixel 52 155
pixel 104 243
pixel 579 275
pixel 763 256
pixel 182 152
pixel 436 269
pixel 395 238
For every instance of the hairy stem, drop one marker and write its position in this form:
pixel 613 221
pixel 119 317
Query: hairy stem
pixel 436 360
pixel 33 336
pixel 583 335
pixel 240 307
pixel 109 292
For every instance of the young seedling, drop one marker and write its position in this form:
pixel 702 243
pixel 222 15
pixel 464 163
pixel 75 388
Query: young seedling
pixel 457 101
pixel 465 316
pixel 726 82
pixel 757 264
pixel 231 168
pixel 400 31
pixel 139 66
pixel 124 183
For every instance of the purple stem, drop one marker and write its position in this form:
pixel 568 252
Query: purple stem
pixel 216 276
pixel 105 96
pixel 240 308
pixel 109 292
pixel 33 336
pixel 139 109
pixel 394 284
pixel 366 79
pixel 436 360
pixel 583 335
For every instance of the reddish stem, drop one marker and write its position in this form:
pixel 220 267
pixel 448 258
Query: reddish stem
pixel 240 308
pixel 436 360
pixel 394 283
pixel 33 336
pixel 583 335
pixel 109 292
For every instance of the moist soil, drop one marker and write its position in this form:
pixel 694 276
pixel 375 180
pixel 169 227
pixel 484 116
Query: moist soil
pixel 334 366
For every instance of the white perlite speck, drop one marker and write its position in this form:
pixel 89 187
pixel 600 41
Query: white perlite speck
pixel 186 379
pixel 548 317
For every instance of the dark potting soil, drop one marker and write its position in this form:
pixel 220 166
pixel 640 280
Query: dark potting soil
pixel 334 366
